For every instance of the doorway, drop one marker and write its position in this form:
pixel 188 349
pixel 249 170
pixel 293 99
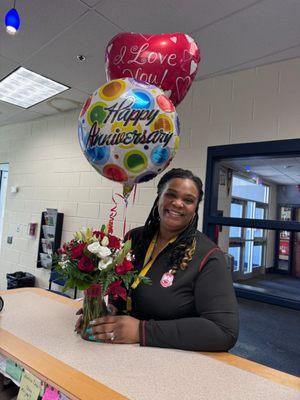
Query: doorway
pixel 247 245
pixel 252 196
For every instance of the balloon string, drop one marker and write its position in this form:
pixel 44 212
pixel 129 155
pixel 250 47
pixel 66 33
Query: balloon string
pixel 124 215
pixel 113 213
pixel 134 194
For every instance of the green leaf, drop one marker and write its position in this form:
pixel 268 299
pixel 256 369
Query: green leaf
pixel 107 281
pixel 125 250
pixel 104 229
pixel 127 246
pixel 145 280
pixel 82 285
pixel 68 285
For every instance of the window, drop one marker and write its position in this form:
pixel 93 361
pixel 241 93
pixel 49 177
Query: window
pixel 235 251
pixel 248 245
pixel 250 189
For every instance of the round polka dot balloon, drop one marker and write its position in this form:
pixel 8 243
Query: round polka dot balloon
pixel 129 131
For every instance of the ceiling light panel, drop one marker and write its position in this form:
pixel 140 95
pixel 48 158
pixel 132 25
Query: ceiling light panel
pixel 25 88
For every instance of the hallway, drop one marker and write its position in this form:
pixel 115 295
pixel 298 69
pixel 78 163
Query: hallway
pixel 269 335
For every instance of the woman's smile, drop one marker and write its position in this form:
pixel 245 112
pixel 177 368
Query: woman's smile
pixel 173 213
pixel 177 204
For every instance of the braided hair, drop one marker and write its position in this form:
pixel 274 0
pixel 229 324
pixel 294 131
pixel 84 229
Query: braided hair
pixel 185 244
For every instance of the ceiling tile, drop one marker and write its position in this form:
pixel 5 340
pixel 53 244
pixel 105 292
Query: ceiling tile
pixel 233 35
pixel 143 17
pixel 243 37
pixel 6 67
pixel 41 21
pixel 57 61
pixel 67 100
pixel 196 14
pixel 91 3
pixel 286 181
pixel 270 169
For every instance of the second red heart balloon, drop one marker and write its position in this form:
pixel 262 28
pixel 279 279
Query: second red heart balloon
pixel 169 61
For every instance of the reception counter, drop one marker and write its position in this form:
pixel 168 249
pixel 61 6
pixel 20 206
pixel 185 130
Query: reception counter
pixel 37 331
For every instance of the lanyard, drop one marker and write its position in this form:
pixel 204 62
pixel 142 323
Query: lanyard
pixel 149 260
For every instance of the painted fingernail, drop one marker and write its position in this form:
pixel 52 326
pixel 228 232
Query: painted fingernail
pixel 92 337
pixel 89 331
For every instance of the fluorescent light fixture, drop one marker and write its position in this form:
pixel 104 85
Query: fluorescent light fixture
pixel 25 88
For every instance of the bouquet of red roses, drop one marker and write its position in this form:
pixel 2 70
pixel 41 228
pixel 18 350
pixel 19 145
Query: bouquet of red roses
pixel 97 257
pixel 100 264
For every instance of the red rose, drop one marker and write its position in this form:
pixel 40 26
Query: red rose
pixel 114 242
pixel 85 264
pixel 126 265
pixel 117 290
pixel 99 234
pixel 77 251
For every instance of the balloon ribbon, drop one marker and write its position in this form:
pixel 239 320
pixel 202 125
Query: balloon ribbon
pixel 113 213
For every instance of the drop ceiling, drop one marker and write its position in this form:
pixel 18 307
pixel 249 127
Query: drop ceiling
pixel 232 35
pixel 278 170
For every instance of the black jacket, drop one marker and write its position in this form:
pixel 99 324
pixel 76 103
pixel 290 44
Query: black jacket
pixel 198 311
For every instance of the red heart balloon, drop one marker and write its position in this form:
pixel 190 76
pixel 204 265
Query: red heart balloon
pixel 168 60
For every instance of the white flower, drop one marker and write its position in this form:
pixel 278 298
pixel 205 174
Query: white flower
pixel 105 241
pixel 63 264
pixel 94 247
pixel 104 263
pixel 101 251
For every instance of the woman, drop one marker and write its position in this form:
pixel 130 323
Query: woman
pixel 190 304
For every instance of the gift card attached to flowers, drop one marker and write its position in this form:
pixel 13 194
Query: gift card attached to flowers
pixel 97 257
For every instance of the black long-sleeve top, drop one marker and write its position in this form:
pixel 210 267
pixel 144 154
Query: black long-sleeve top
pixel 198 311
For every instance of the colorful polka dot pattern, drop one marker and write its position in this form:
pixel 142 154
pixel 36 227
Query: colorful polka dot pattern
pixel 128 131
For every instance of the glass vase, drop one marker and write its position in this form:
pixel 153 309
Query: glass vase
pixel 93 307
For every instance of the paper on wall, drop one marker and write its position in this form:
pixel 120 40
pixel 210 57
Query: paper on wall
pixel 50 394
pixel 30 387
pixel 13 370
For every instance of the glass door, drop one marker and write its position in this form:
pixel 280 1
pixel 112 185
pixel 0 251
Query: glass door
pixel 247 245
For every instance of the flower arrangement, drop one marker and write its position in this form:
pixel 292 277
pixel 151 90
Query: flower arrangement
pixel 100 264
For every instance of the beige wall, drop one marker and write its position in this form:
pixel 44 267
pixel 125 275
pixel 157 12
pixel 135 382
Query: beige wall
pixel 47 165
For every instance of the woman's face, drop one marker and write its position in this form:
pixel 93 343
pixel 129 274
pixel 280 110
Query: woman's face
pixel 177 204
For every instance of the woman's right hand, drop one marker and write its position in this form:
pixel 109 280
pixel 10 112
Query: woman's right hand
pixel 111 310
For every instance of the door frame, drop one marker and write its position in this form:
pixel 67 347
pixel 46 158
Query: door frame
pixel 211 216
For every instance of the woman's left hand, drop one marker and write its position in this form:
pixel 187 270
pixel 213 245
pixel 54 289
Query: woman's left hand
pixel 116 329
